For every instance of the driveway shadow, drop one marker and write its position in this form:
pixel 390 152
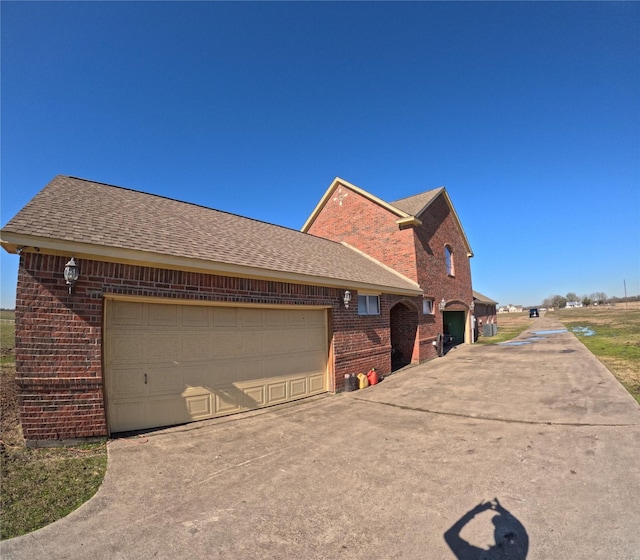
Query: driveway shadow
pixel 511 539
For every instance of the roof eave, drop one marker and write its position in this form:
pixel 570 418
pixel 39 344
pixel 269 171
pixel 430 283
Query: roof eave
pixel 410 221
pixel 15 243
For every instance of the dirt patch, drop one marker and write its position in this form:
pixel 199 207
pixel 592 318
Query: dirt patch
pixel 10 430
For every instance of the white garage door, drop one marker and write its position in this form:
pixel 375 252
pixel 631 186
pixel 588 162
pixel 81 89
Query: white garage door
pixel 167 364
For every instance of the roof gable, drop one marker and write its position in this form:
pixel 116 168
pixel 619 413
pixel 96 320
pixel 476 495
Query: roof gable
pixel 95 220
pixel 418 205
pixel 408 210
pixel 403 218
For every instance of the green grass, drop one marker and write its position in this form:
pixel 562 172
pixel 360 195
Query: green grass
pixel 40 486
pixel 510 325
pixel 7 314
pixel 616 342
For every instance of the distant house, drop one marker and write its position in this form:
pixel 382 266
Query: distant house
pixel 510 309
pixel 572 304
pixel 484 310
pixel 135 311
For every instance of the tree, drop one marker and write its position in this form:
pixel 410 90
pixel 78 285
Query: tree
pixel 556 302
pixel 572 297
pixel 599 297
pixel 586 301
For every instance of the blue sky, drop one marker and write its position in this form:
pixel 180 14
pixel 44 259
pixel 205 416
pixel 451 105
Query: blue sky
pixel 529 114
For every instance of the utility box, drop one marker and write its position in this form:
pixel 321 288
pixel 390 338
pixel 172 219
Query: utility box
pixel 489 329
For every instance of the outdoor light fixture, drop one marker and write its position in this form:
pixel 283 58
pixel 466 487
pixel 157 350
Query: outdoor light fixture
pixel 71 273
pixel 442 304
pixel 472 306
pixel 346 299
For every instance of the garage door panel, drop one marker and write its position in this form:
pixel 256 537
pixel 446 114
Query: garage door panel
pixel 298 388
pixel 167 380
pixel 226 401
pixel 196 317
pixel 314 319
pixel 161 315
pixel 316 383
pixel 125 348
pixel 161 347
pixel 252 369
pixel 303 363
pixel 128 416
pixel 276 392
pixel 199 406
pixel 223 373
pixel 166 411
pixel 254 343
pixel 276 317
pixel 126 314
pixel 315 340
pixel 201 362
pixel 298 318
pixel 225 317
pixel 277 342
pixel 257 395
pixel 127 382
pixel 252 318
pixel 226 344
pixel 197 374
pixel 196 346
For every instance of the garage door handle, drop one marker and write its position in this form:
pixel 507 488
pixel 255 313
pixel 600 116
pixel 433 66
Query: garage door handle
pixel 145 378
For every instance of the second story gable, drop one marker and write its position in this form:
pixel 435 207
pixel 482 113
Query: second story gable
pixel 350 215
pixel 420 237
pixel 442 250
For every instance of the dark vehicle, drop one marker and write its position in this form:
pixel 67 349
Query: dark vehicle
pixel 534 312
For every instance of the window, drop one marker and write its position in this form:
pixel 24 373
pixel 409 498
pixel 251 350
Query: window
pixel 448 259
pixel 427 306
pixel 368 305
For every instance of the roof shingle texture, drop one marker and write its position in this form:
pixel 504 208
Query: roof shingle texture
pixel 78 210
pixel 413 205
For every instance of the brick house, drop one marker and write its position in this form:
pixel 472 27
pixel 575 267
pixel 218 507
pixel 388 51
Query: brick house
pixel 484 311
pixel 183 313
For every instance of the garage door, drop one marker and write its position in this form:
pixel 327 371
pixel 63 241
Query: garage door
pixel 167 364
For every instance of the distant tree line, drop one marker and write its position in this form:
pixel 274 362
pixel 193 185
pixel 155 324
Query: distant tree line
pixel 596 298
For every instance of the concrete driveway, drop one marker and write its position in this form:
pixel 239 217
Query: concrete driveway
pixel 393 471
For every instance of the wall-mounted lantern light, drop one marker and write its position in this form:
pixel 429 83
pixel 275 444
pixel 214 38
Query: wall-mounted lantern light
pixel 346 299
pixel 442 304
pixel 71 273
pixel 472 306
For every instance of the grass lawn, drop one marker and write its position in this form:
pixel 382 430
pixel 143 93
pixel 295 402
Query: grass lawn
pixel 39 486
pixel 510 325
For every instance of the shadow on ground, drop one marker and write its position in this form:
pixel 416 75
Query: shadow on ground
pixel 510 536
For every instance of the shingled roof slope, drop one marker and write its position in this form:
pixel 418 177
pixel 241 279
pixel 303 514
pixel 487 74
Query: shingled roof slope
pixel 413 205
pixel 483 299
pixel 81 211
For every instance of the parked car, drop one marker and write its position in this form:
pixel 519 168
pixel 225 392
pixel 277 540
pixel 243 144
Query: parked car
pixel 533 312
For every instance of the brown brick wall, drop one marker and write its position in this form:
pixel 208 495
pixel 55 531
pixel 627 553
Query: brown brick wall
pixel 59 336
pixel 418 253
pixel 370 228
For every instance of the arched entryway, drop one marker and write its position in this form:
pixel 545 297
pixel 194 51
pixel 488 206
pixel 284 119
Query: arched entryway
pixel 404 327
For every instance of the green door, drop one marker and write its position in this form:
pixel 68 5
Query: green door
pixel 454 325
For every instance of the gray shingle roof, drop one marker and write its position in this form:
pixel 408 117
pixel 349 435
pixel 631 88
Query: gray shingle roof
pixel 483 299
pixel 413 205
pixel 76 210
